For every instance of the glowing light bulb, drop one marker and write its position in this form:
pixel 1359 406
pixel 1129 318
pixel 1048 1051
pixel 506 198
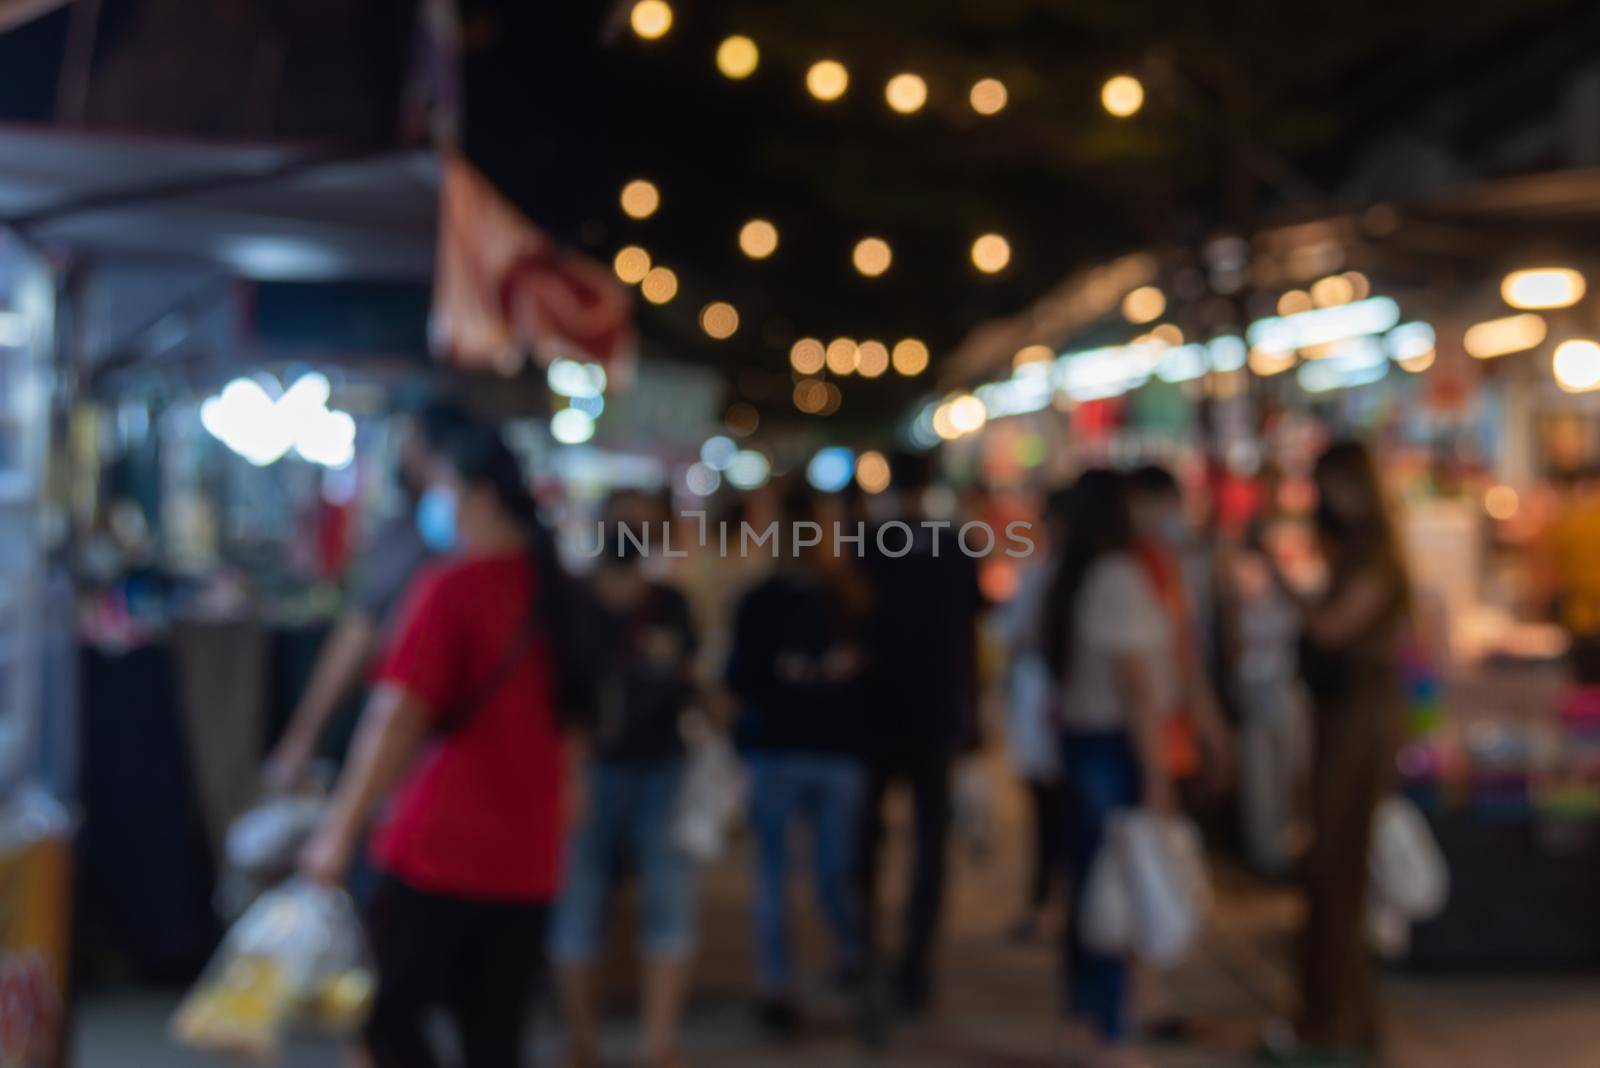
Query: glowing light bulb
pixel 1122 95
pixel 659 285
pixel 807 356
pixel 719 319
pixel 640 199
pixel 827 79
pixel 872 256
pixel 988 96
pixel 758 239
pixel 738 57
pixel 910 357
pixel 1144 305
pixel 632 264
pixel 651 19
pixel 906 93
pixel 991 253
pixel 1543 287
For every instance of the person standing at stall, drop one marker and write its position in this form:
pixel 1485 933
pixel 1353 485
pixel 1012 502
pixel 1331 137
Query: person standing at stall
pixel 1109 644
pixel 645 648
pixel 1349 657
pixel 469 736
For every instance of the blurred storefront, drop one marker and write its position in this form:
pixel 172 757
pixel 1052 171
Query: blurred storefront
pixel 1457 337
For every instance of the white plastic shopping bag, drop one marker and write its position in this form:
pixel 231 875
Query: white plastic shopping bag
pixel 1166 877
pixel 1106 923
pixel 297 952
pixel 1409 874
pixel 712 795
pixel 1147 891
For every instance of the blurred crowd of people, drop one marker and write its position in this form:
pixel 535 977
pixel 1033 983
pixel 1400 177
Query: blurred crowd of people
pixel 525 738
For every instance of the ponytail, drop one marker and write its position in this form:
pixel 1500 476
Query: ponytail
pixel 560 607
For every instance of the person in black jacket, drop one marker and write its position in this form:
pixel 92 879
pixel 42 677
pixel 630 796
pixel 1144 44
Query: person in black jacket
pixel 797 670
pixel 923 691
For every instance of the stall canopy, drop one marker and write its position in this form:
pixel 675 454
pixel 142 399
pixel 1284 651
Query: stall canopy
pixel 266 212
pixel 285 213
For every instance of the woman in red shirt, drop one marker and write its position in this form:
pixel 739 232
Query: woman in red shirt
pixel 463 739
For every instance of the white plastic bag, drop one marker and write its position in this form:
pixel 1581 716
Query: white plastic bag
pixel 711 797
pixel 298 951
pixel 1408 871
pixel 267 839
pixel 972 804
pixel 1167 879
pixel 1106 925
pixel 1147 891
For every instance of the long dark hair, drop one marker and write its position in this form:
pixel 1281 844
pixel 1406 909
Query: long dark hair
pixel 1097 522
pixel 1367 540
pixel 480 457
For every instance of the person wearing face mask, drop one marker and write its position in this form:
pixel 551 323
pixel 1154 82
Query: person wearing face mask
pixel 389 560
pixel 466 743
pixel 644 648
pixel 1349 658
pixel 1197 739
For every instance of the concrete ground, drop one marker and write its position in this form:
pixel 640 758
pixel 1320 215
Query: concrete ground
pixel 996 1004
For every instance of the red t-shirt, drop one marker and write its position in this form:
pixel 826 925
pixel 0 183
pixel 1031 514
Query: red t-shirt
pixel 479 814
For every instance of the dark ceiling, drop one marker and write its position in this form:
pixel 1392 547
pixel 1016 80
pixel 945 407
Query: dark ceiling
pixel 1255 109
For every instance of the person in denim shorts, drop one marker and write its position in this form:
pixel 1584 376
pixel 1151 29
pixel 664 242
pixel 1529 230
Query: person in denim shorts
pixel 645 646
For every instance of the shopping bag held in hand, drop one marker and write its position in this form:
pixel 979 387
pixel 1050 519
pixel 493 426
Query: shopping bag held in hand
pixel 297 952
pixel 1147 891
pixel 712 794
pixel 1409 874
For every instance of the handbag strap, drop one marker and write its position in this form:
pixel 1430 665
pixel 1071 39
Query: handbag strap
pixel 461 712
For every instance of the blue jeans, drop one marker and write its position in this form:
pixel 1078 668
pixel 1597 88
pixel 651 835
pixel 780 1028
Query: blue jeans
pixel 825 791
pixel 1101 774
pixel 627 829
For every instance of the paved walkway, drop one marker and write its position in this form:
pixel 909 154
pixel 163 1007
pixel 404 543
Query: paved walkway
pixel 996 1007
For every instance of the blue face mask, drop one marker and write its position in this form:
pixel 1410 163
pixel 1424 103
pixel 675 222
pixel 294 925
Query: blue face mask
pixel 436 518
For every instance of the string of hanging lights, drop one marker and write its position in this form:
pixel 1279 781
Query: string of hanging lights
pixel 828 79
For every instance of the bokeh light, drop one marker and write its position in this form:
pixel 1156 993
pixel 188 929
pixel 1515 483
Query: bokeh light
pixel 758 239
pixel 910 357
pixel 827 79
pixel 1501 502
pixel 741 419
pixel 719 319
pixel 659 285
pixel 843 353
pixel 807 355
pixel 872 256
pixel 631 264
pixel 1499 337
pixel 988 96
pixel 1543 287
pixel 1122 95
pixel 906 93
pixel 991 253
pixel 1294 302
pixel 651 19
pixel 1144 305
pixel 640 199
pixel 872 472
pixel 1577 365
pixel 872 358
pixel 738 57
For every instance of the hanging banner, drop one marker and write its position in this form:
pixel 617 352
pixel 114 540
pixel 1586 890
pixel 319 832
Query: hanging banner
pixel 506 292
